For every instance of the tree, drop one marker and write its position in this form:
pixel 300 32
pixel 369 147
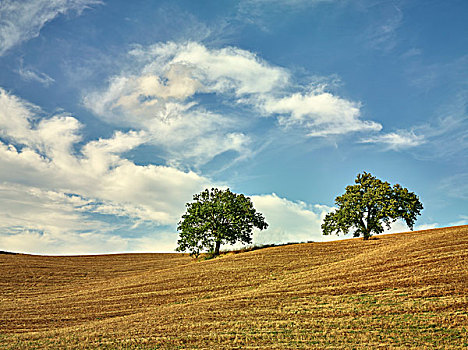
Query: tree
pixel 369 204
pixel 217 217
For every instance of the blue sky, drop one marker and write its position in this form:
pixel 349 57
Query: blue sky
pixel 114 113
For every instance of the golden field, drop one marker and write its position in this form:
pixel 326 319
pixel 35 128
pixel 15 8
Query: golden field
pixel 406 290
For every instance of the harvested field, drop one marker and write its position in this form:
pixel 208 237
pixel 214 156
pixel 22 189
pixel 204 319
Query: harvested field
pixel 406 290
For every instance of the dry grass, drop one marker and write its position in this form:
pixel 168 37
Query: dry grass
pixel 405 290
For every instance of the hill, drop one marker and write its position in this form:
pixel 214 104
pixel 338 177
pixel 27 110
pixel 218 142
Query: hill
pixel 406 290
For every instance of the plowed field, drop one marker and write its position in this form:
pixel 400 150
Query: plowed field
pixel 406 290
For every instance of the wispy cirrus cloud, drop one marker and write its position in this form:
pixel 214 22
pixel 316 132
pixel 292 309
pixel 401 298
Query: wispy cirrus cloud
pixel 447 138
pixel 382 33
pixel 23 20
pixel 456 186
pixel 398 140
pixel 443 138
pixel 432 76
pixel 284 3
pixel 31 74
pixel 383 36
pixel 257 11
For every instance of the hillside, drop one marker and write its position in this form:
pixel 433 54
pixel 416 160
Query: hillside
pixel 396 291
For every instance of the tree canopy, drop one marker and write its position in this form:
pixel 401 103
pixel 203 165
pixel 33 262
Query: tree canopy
pixel 217 217
pixel 369 204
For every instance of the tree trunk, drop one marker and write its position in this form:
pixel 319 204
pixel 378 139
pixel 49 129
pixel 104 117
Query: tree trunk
pixel 366 234
pixel 365 229
pixel 218 245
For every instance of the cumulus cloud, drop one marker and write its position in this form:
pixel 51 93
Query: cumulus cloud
pixel 60 194
pixel 170 88
pixel 170 73
pixel 301 222
pixel 288 221
pixel 57 191
pixel 161 98
pixel 58 183
pixel 38 221
pixel 297 221
pixel 23 20
pixel 321 113
pixel 230 69
pixel 400 226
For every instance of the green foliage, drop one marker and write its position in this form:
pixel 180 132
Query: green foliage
pixel 217 217
pixel 369 204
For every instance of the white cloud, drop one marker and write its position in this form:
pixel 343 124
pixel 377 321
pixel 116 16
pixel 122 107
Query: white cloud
pixel 291 221
pixel 165 242
pixel 33 242
pixel 56 191
pixel 160 98
pixel 38 221
pixel 445 136
pixel 399 140
pixel 178 71
pixel 49 222
pixel 23 20
pixel 288 221
pixel 320 113
pixel 51 184
pixel 231 69
pixel 15 117
pixel 73 243
pixel 400 226
pixel 39 209
pixel 165 89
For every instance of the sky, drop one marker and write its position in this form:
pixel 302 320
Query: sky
pixel 114 113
